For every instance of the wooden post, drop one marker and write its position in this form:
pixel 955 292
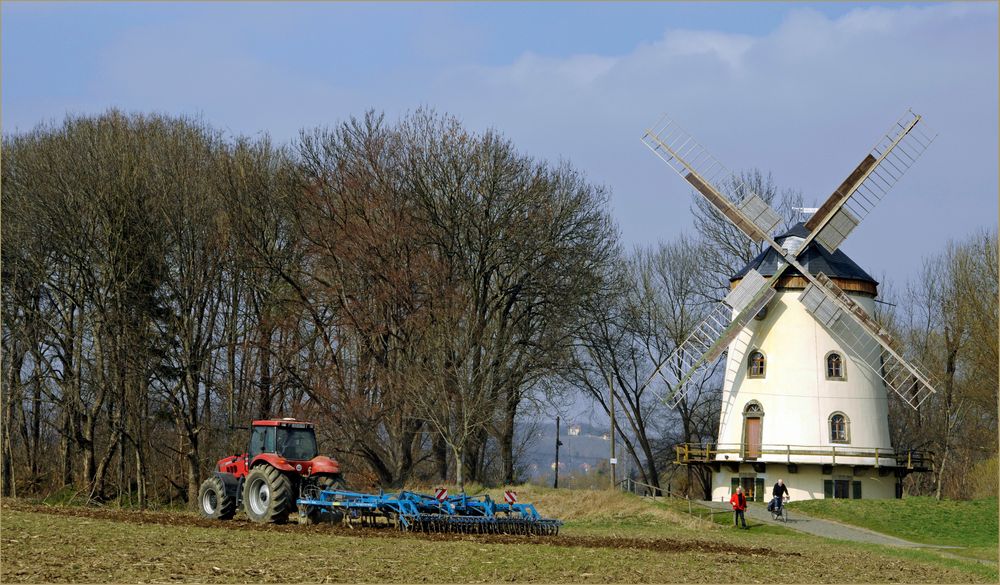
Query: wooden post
pixel 558 443
pixel 613 461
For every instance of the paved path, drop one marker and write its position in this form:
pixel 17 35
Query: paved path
pixel 757 512
pixel 825 528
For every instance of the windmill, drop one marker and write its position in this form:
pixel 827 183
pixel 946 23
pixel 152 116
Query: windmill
pixel 838 316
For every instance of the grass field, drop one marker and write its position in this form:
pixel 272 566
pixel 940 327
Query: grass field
pixel 608 537
pixel 972 525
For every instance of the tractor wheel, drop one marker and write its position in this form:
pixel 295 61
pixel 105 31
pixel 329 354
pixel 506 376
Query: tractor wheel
pixel 267 495
pixel 325 481
pixel 214 502
pixel 330 481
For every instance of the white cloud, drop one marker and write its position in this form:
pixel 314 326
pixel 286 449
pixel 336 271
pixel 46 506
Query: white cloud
pixel 728 48
pixel 804 101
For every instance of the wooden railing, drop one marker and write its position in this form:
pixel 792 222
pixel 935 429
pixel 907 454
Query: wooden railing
pixel 688 453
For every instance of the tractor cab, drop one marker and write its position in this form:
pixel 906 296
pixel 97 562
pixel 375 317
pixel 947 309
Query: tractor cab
pixel 287 438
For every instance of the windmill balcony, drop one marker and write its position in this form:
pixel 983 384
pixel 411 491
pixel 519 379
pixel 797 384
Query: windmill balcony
pixel 720 453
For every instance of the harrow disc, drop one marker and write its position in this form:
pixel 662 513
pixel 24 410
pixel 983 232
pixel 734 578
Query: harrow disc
pixel 444 524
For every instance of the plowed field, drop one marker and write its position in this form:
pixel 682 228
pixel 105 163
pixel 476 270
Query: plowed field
pixel 73 544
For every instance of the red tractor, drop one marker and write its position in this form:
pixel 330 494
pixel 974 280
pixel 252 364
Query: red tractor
pixel 280 464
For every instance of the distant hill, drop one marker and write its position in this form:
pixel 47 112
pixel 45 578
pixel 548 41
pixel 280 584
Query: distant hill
pixel 583 447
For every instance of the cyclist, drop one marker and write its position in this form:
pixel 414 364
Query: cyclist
pixel 778 495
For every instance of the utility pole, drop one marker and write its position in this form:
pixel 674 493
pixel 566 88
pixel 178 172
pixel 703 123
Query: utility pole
pixel 614 460
pixel 558 444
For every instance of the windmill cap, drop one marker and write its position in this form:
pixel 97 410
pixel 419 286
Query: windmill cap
pixel 815 259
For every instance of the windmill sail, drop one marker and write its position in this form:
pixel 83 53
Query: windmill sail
pixel 727 193
pixel 862 336
pixel 894 153
pixel 713 335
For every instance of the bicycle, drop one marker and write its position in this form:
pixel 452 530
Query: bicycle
pixel 781 512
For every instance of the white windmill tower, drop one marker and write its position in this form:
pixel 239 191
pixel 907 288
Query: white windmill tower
pixel 807 368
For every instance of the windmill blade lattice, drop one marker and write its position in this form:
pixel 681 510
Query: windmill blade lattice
pixel 731 196
pixel 880 170
pixel 862 336
pixel 712 336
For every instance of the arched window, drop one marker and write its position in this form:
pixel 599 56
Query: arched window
pixel 840 428
pixel 834 366
pixel 757 364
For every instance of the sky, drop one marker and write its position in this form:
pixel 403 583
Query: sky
pixel 800 90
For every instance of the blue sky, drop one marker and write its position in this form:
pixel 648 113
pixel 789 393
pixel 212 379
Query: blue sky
pixel 800 90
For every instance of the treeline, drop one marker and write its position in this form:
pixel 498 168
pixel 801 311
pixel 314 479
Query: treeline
pixel 405 285
pixel 412 287
pixel 947 316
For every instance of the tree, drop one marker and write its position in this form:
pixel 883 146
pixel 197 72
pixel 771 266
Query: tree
pixel 945 325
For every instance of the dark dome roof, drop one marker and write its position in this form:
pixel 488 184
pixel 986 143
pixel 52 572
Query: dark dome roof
pixel 815 259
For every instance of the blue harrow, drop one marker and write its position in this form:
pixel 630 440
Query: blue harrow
pixel 412 511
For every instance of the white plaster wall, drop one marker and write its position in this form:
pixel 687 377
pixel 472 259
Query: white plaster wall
pixel 796 397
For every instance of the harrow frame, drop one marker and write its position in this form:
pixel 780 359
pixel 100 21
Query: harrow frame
pixel 415 512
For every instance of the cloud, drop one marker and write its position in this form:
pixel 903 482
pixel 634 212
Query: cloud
pixel 805 100
pixel 728 48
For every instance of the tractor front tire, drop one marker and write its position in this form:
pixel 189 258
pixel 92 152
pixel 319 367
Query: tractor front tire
pixel 214 502
pixel 267 495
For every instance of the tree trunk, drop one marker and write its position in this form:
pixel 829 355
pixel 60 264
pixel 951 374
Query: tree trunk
pixel 507 437
pixel 12 391
pixel 97 490
pixel 439 450
pixel 194 474
pixel 36 429
pixel 459 467
pixel 66 448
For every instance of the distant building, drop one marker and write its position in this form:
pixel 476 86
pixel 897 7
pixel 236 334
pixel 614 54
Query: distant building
pixel 574 430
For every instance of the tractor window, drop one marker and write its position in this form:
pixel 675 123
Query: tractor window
pixel 269 440
pixel 296 444
pixel 256 441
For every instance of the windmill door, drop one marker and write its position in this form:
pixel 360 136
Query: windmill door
pixel 751 432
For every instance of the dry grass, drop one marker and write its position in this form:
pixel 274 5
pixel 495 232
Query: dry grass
pixel 584 506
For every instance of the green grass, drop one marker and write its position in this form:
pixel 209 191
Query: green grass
pixel 918 519
pixel 971 525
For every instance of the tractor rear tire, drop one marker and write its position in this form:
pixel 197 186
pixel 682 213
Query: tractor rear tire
pixel 214 502
pixel 267 495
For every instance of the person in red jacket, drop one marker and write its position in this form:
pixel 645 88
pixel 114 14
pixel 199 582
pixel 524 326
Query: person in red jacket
pixel 739 502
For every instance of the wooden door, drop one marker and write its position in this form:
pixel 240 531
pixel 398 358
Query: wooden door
pixel 751 430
